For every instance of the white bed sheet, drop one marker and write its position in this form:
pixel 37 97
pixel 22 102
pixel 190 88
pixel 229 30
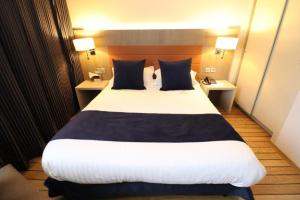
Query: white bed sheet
pixel 102 162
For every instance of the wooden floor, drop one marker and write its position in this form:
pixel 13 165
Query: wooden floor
pixel 281 183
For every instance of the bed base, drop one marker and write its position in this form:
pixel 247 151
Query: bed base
pixel 76 191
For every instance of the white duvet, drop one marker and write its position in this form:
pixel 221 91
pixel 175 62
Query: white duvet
pixel 102 162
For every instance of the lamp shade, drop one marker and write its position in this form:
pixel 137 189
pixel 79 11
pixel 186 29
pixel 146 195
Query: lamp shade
pixel 84 44
pixel 226 43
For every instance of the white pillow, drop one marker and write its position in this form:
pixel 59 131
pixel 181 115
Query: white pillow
pixel 158 81
pixel 148 80
pixel 193 76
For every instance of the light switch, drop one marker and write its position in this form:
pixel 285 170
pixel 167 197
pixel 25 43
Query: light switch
pixel 213 69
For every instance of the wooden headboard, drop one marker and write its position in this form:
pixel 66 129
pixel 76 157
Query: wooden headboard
pixel 153 53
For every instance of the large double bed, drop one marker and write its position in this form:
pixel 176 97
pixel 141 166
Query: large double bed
pixel 149 142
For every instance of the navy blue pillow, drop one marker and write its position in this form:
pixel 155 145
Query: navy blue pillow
pixel 176 75
pixel 129 74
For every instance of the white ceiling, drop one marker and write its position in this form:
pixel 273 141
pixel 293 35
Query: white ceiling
pixel 158 14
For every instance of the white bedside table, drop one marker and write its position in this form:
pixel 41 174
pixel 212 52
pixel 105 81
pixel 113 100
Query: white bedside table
pixel 227 93
pixel 88 90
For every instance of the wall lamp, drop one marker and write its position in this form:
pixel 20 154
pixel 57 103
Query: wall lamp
pixel 85 44
pixel 225 43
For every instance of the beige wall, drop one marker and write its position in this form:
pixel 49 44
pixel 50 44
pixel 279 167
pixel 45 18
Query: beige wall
pixel 158 14
pixel 168 15
pixel 203 37
pixel 289 136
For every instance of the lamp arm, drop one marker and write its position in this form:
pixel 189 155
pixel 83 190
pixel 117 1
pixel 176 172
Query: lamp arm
pixel 222 54
pixel 87 55
pixel 220 51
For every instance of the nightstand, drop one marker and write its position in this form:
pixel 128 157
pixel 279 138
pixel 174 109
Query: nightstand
pixel 226 95
pixel 88 90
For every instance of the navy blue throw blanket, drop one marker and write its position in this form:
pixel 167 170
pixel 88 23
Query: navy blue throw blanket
pixel 142 127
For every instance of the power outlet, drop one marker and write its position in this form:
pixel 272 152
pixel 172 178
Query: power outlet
pixel 213 69
pixel 207 69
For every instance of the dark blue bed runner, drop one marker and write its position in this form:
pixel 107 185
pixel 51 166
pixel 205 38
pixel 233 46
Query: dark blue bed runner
pixel 141 127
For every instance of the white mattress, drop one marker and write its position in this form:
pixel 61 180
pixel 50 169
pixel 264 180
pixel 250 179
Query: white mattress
pixel 101 162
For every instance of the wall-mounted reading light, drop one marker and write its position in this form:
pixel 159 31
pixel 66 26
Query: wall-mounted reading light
pixel 225 43
pixel 85 44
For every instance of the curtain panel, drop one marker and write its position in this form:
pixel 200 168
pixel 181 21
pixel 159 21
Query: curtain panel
pixel 39 70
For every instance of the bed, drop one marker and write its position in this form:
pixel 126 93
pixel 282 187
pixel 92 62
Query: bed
pixel 149 142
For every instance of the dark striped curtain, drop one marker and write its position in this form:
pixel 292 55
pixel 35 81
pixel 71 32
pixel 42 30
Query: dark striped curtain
pixel 64 24
pixel 39 70
pixel 1 163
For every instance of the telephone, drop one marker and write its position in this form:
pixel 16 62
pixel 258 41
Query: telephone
pixel 208 81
